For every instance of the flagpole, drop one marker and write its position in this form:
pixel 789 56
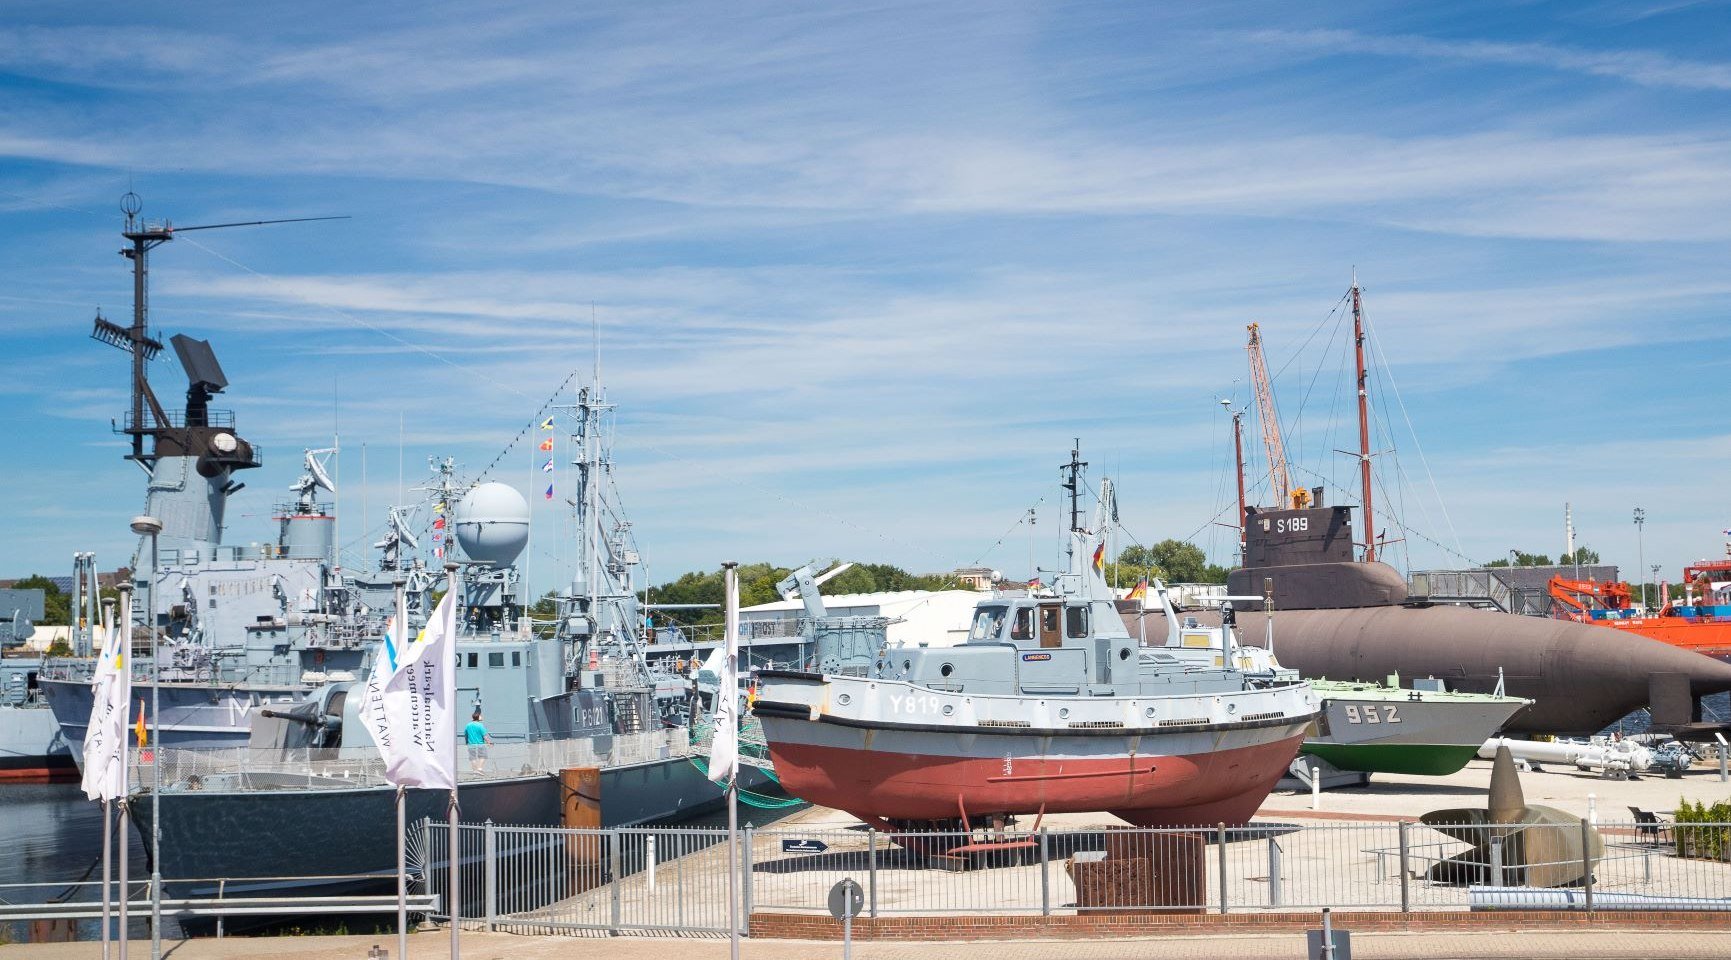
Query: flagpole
pixel 401 626
pixel 730 623
pixel 456 908
pixel 125 895
pixel 107 877
pixel 110 638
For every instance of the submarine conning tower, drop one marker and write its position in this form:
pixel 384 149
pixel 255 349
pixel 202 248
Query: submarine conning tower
pixel 1308 552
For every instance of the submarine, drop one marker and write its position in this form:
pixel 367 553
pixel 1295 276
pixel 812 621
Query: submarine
pixel 1342 618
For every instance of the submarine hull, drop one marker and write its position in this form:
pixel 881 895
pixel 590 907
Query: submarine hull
pixel 1581 679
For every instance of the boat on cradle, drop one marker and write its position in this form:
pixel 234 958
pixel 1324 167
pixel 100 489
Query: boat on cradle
pixel 1699 620
pixel 1362 727
pixel 1049 706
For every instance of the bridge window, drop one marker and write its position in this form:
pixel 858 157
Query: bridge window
pixel 495 659
pixel 1076 622
pixel 1023 628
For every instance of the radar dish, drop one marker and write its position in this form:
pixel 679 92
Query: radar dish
pixel 199 362
pixel 319 475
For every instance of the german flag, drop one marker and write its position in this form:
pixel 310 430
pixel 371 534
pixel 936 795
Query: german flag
pixel 1100 557
pixel 1139 591
pixel 138 728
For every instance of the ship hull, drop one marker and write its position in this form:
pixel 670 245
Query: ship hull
pixel 1383 730
pixel 197 716
pixel 1712 639
pixel 32 748
pixel 1191 779
pixel 342 841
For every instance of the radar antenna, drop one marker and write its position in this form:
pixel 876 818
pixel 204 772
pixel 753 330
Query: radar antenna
pixel 145 236
pixel 316 478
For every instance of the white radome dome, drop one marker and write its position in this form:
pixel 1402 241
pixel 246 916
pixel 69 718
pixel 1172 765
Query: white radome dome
pixel 492 524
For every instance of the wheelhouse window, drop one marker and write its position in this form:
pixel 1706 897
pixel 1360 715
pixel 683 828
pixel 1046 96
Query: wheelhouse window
pixel 988 623
pixel 1022 628
pixel 1076 622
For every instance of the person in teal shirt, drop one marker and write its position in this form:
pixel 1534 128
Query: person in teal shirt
pixel 475 734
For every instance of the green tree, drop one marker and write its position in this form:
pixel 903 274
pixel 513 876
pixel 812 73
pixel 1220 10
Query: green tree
pixel 1582 555
pixel 1524 559
pixel 56 606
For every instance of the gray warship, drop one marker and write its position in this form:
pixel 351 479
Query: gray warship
pixel 31 745
pixel 574 694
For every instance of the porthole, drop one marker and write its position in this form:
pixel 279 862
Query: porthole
pixel 949 709
pixel 1149 713
pixel 907 665
pixel 947 669
pixel 844 699
pixel 1063 712
pixel 1123 653
pixel 1232 708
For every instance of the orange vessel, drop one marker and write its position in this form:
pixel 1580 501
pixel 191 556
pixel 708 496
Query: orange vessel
pixel 1699 621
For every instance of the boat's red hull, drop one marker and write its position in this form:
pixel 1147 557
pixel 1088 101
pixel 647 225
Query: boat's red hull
pixel 1222 786
pixel 1708 637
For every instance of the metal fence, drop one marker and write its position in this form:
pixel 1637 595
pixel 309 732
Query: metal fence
pixel 550 880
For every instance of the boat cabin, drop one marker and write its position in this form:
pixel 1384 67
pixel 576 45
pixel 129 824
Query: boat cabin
pixel 1058 646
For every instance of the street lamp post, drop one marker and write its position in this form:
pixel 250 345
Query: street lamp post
pixel 148 526
pixel 1641 552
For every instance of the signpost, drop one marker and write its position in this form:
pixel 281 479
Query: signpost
pixel 803 846
pixel 846 900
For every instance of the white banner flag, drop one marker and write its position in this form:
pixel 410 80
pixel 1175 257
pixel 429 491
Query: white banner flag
pixel 419 708
pixel 724 748
pixel 105 737
pixel 385 663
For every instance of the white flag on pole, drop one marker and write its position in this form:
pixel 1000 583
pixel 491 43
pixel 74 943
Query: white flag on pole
pixel 105 737
pixel 385 663
pixel 420 707
pixel 724 748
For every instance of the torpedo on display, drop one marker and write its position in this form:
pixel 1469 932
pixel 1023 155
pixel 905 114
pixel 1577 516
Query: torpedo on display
pixel 1352 620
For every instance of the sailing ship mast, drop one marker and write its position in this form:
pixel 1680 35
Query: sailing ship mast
pixel 1363 423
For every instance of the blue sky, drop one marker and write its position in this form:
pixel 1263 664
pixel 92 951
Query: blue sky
pixel 861 272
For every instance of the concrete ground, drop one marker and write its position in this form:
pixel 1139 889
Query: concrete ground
pixel 1607 945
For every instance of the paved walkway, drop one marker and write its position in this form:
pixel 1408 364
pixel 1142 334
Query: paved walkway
pixel 1381 946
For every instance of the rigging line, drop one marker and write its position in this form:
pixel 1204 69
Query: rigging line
pixel 1314 331
pixel 1321 361
pixel 1006 534
pixel 1382 364
pixel 297 296
pixel 532 424
pixel 1354 499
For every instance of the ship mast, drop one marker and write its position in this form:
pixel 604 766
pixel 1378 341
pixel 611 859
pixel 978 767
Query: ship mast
pixel 1238 455
pixel 1363 423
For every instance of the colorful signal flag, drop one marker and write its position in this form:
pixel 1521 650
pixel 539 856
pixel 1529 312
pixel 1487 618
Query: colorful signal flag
pixel 547 424
pixel 549 493
pixel 547 444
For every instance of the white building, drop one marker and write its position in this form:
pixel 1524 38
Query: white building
pixel 939 618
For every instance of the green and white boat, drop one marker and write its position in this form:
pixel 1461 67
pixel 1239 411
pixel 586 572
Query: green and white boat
pixel 1425 729
pixel 1364 727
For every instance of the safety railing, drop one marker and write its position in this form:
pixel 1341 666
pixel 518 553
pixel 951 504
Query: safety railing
pixel 562 880
pixel 241 769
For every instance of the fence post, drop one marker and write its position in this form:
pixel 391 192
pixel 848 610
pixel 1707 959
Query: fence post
pixel 613 840
pixel 490 873
pixel 1273 872
pixel 1496 864
pixel 649 860
pixel 1045 874
pixel 1221 837
pixel 1405 868
pixel 745 864
pixel 872 872
pixel 1587 862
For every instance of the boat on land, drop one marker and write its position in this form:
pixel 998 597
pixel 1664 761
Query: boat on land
pixel 1049 706
pixel 1346 615
pixel 1363 727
